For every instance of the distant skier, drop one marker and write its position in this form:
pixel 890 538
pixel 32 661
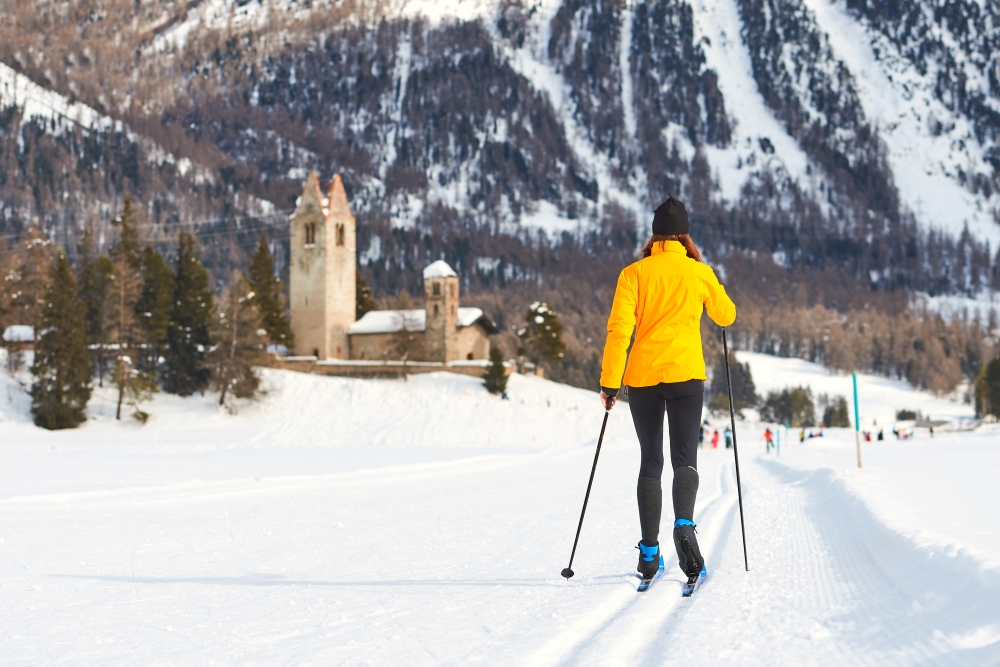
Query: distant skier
pixel 729 437
pixel 715 439
pixel 769 439
pixel 661 297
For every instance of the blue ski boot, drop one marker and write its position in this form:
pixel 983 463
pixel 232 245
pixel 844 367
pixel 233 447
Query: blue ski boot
pixel 649 560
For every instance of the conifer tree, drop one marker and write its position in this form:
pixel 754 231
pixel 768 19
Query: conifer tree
pixel 94 276
pixel 542 337
pixel 155 305
pixel 495 378
pixel 127 247
pixel 267 289
pixel 744 390
pixel 988 389
pixel 239 333
pixel 188 331
pixel 363 296
pixel 62 367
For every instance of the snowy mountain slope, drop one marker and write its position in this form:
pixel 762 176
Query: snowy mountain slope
pixel 186 541
pixel 859 105
pixel 794 128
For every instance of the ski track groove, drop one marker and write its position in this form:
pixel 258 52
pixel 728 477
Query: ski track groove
pixel 862 595
pixel 572 646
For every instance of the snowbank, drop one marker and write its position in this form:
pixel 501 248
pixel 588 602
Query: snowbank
pixel 879 397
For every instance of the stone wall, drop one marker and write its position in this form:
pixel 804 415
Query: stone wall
pixel 388 369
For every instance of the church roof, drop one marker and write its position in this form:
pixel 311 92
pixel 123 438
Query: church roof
pixel 22 333
pixel 392 321
pixel 439 269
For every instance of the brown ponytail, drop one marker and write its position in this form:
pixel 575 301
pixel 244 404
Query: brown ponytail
pixel 685 240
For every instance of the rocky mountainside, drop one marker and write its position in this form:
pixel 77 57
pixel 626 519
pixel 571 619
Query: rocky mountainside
pixel 525 142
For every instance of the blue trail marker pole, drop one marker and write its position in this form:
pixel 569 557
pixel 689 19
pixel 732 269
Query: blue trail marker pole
pixel 857 420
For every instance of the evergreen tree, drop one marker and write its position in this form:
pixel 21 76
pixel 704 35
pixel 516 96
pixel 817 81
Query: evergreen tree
pixel 542 337
pixel 495 378
pixel 155 305
pixel 93 276
pixel 188 331
pixel 363 296
pixel 792 405
pixel 835 411
pixel 62 366
pixel 127 247
pixel 988 389
pixel 744 390
pixel 240 336
pixel 267 289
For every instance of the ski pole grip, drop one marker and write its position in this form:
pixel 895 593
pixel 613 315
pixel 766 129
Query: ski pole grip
pixel 609 395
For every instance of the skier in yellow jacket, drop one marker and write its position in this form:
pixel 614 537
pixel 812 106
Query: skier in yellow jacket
pixel 661 298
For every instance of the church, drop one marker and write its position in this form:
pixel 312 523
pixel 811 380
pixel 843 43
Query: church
pixel 323 292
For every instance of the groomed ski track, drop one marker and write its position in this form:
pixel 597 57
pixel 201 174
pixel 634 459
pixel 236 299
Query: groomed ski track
pixel 445 562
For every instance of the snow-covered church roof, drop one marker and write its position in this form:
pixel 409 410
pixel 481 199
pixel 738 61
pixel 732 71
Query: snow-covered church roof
pixel 391 321
pixel 22 333
pixel 439 269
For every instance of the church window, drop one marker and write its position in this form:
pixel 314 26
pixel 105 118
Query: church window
pixel 469 356
pixel 310 229
pixel 437 289
pixel 435 307
pixel 451 290
pixel 340 235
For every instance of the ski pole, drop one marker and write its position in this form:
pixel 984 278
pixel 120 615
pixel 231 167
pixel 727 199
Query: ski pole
pixel 736 454
pixel 568 571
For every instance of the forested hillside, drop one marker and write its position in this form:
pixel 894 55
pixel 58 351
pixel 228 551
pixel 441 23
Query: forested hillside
pixel 837 156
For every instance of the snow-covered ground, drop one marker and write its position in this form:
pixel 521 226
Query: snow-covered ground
pixel 340 521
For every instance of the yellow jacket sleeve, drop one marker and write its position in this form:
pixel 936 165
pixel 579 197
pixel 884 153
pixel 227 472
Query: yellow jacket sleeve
pixel 718 305
pixel 620 326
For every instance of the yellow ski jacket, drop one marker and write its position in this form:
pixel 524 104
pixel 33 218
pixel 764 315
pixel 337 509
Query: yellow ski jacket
pixel 662 297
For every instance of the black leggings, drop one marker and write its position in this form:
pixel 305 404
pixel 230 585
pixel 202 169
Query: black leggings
pixel 683 403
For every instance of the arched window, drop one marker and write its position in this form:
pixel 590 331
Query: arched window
pixel 435 308
pixel 340 235
pixel 310 229
pixel 451 290
pixel 469 356
pixel 436 290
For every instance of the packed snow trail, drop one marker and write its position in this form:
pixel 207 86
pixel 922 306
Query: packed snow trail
pixel 456 561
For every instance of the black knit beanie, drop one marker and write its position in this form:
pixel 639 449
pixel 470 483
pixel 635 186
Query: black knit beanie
pixel 670 217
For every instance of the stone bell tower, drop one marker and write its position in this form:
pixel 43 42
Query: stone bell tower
pixel 322 271
pixel 441 302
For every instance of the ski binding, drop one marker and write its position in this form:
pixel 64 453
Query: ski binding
pixel 693 583
pixel 648 581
